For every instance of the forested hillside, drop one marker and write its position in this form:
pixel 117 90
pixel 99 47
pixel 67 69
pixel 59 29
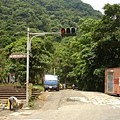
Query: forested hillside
pixel 80 60
pixel 41 15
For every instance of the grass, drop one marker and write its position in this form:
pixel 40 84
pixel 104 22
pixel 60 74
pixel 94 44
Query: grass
pixel 39 87
pixel 31 102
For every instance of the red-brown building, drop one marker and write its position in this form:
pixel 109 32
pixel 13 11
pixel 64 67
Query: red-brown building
pixel 112 81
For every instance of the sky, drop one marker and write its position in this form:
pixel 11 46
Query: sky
pixel 99 4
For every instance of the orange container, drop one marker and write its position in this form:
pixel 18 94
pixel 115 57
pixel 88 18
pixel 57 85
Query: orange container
pixel 112 81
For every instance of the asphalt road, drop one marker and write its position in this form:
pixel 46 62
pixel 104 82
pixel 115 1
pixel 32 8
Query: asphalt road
pixel 72 105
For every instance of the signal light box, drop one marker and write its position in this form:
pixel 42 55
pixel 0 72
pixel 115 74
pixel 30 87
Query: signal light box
pixel 68 32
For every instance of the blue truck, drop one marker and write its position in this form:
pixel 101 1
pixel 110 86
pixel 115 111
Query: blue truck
pixel 51 82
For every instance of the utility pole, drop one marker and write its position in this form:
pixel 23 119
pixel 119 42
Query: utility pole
pixel 27 74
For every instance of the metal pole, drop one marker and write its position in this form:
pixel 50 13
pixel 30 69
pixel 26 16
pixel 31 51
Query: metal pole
pixel 28 52
pixel 27 74
pixel 54 70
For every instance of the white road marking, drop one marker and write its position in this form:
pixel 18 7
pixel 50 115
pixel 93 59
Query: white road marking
pixel 27 119
pixel 21 113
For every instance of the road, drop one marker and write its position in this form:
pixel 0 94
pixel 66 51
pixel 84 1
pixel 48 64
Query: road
pixel 73 105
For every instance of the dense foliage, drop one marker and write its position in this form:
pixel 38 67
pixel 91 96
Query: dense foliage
pixel 40 15
pixel 80 60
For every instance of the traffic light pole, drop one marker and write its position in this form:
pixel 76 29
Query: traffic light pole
pixel 29 34
pixel 27 74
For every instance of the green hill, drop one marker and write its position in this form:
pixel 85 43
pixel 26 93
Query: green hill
pixel 40 15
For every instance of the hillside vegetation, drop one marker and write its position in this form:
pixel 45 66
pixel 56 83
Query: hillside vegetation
pixel 41 15
pixel 81 60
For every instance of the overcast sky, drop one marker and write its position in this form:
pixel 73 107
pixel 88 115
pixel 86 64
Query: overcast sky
pixel 99 4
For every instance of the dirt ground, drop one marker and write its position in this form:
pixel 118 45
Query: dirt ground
pixel 40 101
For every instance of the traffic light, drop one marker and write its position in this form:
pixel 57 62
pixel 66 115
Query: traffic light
pixel 68 32
pixel 62 31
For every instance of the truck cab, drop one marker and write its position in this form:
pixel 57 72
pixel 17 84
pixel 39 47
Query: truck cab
pixel 51 82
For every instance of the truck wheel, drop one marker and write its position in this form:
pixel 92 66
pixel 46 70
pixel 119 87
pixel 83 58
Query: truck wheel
pixel 57 89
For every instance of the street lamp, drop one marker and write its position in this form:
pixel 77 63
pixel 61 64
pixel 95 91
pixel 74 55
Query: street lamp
pixel 28 57
pixel 28 53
